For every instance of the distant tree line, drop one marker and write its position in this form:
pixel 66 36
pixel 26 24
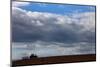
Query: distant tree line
pixel 30 57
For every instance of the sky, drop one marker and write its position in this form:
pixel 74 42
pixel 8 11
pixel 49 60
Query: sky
pixel 57 27
pixel 57 20
pixel 57 8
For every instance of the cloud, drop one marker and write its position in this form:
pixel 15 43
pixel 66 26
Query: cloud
pixel 47 49
pixel 33 26
pixel 92 8
pixel 17 4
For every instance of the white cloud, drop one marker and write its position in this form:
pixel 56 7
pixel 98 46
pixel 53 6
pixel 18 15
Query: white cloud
pixel 43 4
pixel 84 19
pixel 87 20
pixel 92 8
pixel 53 26
pixel 17 4
pixel 38 23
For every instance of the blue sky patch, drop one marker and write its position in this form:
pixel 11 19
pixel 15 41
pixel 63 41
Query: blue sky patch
pixel 58 8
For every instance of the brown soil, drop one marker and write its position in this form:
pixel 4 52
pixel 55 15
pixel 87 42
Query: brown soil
pixel 54 60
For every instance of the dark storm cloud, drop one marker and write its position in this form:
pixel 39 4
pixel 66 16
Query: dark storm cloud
pixel 34 26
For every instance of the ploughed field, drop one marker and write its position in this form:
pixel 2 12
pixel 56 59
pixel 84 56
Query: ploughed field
pixel 54 60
